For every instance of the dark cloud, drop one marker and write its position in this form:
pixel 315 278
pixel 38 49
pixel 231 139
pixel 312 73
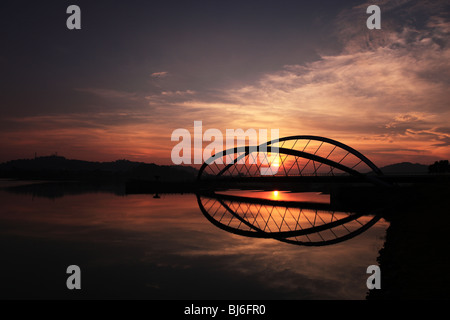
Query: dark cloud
pixel 443 130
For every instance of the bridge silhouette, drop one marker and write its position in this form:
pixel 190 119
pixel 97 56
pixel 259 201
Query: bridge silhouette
pixel 293 159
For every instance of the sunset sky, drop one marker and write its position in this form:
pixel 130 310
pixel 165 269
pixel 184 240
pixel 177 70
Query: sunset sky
pixel 138 70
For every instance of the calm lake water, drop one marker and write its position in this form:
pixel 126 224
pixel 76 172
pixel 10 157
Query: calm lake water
pixel 141 247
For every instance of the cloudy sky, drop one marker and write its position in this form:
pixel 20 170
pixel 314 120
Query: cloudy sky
pixel 138 70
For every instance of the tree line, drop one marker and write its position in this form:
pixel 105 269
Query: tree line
pixel 441 166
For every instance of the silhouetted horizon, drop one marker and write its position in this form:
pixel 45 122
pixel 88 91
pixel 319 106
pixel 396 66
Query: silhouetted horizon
pixel 126 164
pixel 59 167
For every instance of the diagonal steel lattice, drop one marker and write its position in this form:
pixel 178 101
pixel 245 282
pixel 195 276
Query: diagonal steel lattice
pixel 289 157
pixel 295 223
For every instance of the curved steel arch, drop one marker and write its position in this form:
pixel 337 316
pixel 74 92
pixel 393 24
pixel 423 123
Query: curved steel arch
pixel 283 236
pixel 267 148
pixel 333 142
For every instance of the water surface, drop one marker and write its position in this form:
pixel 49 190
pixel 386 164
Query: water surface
pixel 142 247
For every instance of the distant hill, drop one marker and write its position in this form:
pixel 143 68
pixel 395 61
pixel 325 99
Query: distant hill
pixel 60 168
pixel 405 168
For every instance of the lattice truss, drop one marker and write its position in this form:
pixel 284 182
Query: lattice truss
pixel 297 156
pixel 288 224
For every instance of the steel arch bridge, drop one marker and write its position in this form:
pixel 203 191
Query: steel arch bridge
pixel 293 156
pixel 294 223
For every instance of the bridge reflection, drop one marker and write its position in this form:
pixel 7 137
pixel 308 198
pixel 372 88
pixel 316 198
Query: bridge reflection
pixel 294 222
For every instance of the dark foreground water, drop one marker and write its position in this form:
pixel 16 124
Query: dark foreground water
pixel 141 247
